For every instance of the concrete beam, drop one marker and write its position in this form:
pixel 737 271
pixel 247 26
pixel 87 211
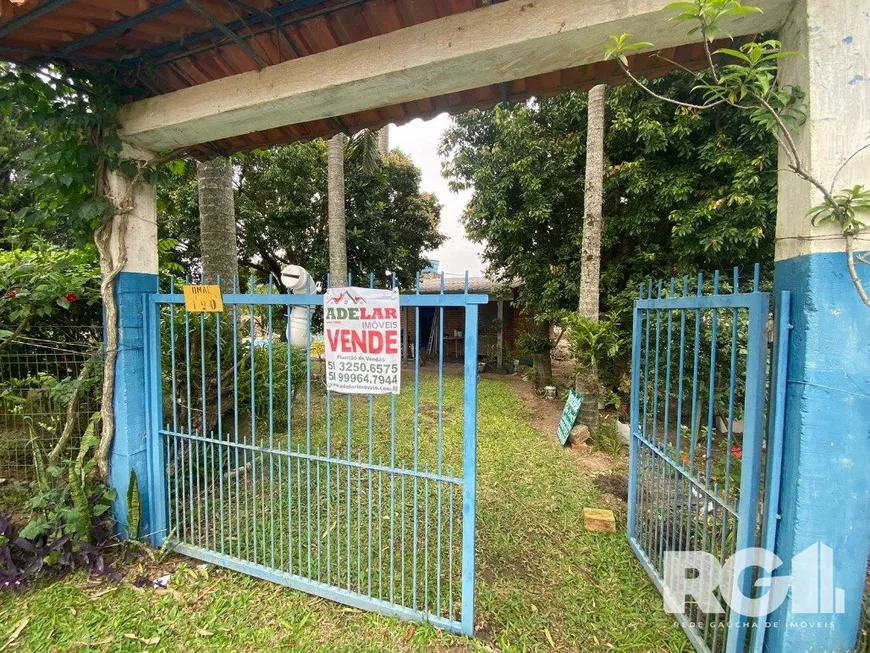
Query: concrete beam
pixel 501 42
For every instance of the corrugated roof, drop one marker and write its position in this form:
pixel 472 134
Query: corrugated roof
pixel 430 284
pixel 167 45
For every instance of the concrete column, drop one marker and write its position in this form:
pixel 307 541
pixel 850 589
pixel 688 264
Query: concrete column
pixel 825 484
pixel 132 285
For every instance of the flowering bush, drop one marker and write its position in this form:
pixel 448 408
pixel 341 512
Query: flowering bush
pixel 39 282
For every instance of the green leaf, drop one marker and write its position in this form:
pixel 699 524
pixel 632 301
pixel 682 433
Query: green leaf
pixel 176 167
pixel 35 528
pixel 134 506
pixel 733 53
pixel 741 10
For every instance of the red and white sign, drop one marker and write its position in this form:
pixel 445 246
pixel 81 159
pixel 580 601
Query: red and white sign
pixel 361 336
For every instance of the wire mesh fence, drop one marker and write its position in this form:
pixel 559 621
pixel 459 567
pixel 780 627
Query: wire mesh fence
pixel 50 384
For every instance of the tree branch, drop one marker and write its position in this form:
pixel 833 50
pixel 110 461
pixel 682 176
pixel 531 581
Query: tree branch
pixel 18 331
pixel 797 163
pixel 111 268
pixel 687 105
pixel 707 48
pixel 846 162
pixel 71 410
pixel 659 55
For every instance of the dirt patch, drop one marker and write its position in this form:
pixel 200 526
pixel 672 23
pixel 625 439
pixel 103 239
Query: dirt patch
pixel 545 415
pixel 431 409
pixel 593 461
pixel 613 484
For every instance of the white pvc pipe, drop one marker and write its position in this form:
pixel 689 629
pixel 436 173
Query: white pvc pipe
pixel 297 281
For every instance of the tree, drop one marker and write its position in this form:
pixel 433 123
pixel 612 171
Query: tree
pixel 590 263
pixel 384 141
pixel 75 112
pixel 282 214
pixel 337 216
pixel 217 221
pixel 521 161
pixel 684 191
pixel 14 193
pixel 747 80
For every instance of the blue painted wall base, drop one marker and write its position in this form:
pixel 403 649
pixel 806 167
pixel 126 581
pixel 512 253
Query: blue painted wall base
pixel 825 479
pixel 129 448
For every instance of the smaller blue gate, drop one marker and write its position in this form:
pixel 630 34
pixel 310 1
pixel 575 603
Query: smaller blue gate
pixel 706 431
pixel 255 466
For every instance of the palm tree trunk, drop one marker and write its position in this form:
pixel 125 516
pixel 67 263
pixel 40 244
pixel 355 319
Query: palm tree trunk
pixel 384 140
pixel 337 222
pixel 220 259
pixel 217 221
pixel 587 382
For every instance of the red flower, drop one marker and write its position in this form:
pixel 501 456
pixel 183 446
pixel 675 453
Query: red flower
pixel 736 451
pixel 70 297
pixel 686 459
pixel 11 294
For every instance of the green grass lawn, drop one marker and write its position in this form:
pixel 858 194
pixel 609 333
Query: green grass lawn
pixel 543 583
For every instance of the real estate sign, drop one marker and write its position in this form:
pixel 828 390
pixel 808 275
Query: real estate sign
pixel 569 416
pixel 361 338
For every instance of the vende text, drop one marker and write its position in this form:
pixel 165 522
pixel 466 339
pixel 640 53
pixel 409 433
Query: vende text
pixel 350 341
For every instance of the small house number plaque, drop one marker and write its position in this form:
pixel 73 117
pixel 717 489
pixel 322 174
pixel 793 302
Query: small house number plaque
pixel 203 299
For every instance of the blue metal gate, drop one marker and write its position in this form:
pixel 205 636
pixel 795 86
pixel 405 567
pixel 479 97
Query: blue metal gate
pixel 706 429
pixel 255 466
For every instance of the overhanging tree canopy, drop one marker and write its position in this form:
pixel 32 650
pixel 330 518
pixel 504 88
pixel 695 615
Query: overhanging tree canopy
pixel 281 210
pixel 684 191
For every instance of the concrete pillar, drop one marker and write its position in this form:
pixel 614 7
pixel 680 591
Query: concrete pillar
pixel 825 484
pixel 138 279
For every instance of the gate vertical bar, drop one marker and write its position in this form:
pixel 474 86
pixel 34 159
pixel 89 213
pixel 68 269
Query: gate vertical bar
pixel 775 433
pixel 154 403
pixel 469 468
pixel 636 331
pixel 750 479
